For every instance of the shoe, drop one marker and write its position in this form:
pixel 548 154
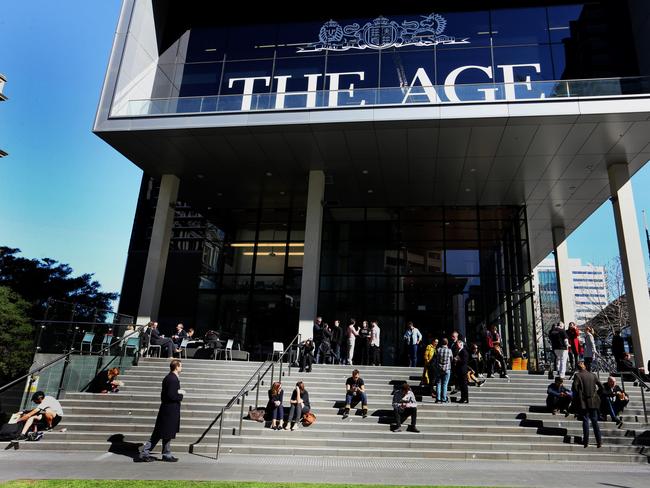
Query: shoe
pixel 463 401
pixel 412 428
pixel 567 413
pixel 286 427
pixel 480 383
pixel 599 445
pixel 585 446
pixel 397 429
pixel 365 414
pixel 505 376
pixel 490 376
pixel 147 459
pixel 438 401
pixel 554 412
pixel 21 437
pixel 453 392
pixel 293 427
pixel 619 424
pixel 170 459
pixel 346 414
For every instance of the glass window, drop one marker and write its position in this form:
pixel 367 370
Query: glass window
pixel 448 61
pixel 251 42
pixel 233 84
pixel 291 37
pixel 519 26
pixel 471 26
pixel 398 67
pixel 524 55
pixel 367 63
pixel 559 20
pixel 297 68
pixel 201 80
pixel 206 44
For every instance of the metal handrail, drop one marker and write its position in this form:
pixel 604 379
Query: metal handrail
pixel 643 386
pixel 243 393
pixel 65 357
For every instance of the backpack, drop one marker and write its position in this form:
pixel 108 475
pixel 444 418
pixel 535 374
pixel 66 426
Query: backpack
pixel 8 432
pixel 257 414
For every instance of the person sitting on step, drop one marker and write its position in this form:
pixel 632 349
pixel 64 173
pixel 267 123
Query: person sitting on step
pixel 275 407
pixel 404 406
pixel 299 405
pixel 47 414
pixel 558 396
pixel 355 389
pixel 613 401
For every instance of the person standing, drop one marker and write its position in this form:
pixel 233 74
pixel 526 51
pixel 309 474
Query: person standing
pixel 461 365
pixel 443 363
pixel 374 344
pixel 587 402
pixel 364 343
pixel 429 371
pixel 317 336
pixel 560 345
pixel 573 333
pixel 590 347
pixel 412 337
pixel 618 348
pixel 168 421
pixel 351 335
pixel 337 336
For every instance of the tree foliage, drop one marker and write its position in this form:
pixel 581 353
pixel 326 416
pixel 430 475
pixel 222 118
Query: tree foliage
pixel 16 338
pixel 38 280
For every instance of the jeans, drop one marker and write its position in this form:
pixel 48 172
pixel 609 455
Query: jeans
pixel 588 361
pixel 151 443
pixel 374 356
pixel 278 413
pixel 336 353
pixel 402 415
pixel 295 412
pixel 441 385
pixel 613 408
pixel 413 355
pixel 561 356
pixel 587 415
pixel 361 394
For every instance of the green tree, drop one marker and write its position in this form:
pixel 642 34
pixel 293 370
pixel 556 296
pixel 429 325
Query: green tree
pixel 16 338
pixel 37 280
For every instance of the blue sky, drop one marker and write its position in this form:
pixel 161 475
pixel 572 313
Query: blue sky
pixel 67 195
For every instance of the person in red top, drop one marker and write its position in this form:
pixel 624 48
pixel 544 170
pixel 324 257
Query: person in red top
pixel 574 345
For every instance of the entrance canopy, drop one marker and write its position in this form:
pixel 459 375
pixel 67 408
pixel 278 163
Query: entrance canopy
pixel 551 156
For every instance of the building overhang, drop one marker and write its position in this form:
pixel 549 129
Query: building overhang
pixel 551 155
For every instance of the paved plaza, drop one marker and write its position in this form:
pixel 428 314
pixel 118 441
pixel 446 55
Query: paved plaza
pixel 92 465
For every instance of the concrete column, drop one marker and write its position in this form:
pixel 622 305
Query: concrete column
pixel 631 252
pixel 311 261
pixel 564 275
pixel 154 274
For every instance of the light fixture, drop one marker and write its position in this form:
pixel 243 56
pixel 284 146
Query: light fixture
pixel 364 171
pixel 219 194
pixel 268 173
pixel 281 193
pixel 272 253
pixel 468 189
pixel 267 244
pixel 370 191
pixel 199 176
pixel 210 49
pixel 472 170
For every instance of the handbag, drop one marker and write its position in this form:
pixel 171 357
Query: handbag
pixel 308 419
pixel 257 414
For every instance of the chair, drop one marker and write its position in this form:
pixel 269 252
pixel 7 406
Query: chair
pixel 106 342
pixel 227 351
pixel 132 343
pixel 87 340
pixel 151 346
pixel 278 349
pixel 182 349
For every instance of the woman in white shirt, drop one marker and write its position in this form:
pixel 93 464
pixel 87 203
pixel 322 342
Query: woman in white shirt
pixel 590 347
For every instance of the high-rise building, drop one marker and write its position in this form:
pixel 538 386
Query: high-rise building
pixel 589 284
pixel 371 161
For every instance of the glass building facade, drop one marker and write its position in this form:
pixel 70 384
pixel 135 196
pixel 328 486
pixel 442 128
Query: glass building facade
pixel 431 214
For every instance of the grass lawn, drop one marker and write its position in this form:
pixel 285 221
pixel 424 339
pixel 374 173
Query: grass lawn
pixel 182 484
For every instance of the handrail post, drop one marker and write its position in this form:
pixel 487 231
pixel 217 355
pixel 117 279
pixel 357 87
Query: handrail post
pixel 272 372
pixel 257 391
pixel 38 341
pixel 280 375
pixel 219 437
pixel 241 414
pixel 645 410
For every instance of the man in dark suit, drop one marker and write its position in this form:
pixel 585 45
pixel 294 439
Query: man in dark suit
pixel 586 388
pixel 165 343
pixel 618 348
pixel 462 360
pixel 168 421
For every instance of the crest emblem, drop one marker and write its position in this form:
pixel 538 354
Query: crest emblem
pixel 383 33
